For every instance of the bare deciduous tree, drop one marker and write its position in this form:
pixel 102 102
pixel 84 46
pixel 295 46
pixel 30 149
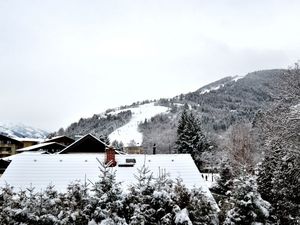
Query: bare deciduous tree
pixel 240 147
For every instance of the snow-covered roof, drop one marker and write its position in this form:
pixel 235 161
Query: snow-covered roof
pixel 38 140
pixel 57 138
pixel 39 146
pixel 11 157
pixel 41 170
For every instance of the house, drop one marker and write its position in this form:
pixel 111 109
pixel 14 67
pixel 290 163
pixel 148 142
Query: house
pixel 86 144
pixel 64 140
pixel 8 146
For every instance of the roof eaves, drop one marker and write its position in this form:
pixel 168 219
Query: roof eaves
pixel 30 148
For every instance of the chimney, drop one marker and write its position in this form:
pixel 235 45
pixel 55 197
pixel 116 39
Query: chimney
pixel 111 157
pixel 154 149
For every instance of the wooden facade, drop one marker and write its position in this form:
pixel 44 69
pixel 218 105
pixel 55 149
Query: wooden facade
pixel 27 143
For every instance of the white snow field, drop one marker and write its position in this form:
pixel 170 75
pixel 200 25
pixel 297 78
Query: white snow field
pixel 129 131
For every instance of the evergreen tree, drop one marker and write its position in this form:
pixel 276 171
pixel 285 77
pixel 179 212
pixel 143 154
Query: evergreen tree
pixel 7 205
pixel 248 206
pixel 201 211
pixel 104 138
pixel 223 189
pixel 181 195
pixel 75 205
pixel 225 181
pixel 162 201
pixel 138 202
pixel 190 138
pixel 107 201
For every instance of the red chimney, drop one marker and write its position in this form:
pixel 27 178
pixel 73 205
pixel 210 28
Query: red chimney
pixel 111 157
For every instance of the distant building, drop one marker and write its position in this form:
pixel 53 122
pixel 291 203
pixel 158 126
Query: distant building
pixel 8 146
pixel 134 150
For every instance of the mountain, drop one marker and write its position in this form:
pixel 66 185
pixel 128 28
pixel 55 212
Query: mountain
pixel 217 105
pixel 21 131
pixel 129 134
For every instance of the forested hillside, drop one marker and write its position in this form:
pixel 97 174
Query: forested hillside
pixel 98 125
pixel 217 105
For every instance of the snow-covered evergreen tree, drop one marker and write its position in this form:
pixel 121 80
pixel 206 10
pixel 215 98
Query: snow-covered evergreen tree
pixel 225 181
pixel 190 138
pixel 162 201
pixel 200 208
pixel 75 204
pixel 138 202
pixel 104 138
pixel 107 199
pixel 247 205
pixel 7 205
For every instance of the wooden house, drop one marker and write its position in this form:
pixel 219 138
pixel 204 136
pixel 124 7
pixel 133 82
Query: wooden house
pixel 8 146
pixel 86 144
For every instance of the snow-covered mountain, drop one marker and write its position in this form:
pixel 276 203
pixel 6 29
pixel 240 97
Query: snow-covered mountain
pixel 21 131
pixel 218 84
pixel 217 105
pixel 129 133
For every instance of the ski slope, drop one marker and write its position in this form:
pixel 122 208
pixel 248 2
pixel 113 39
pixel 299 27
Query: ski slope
pixel 129 132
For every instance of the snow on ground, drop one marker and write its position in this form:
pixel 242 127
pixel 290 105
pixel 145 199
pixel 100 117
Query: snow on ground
pixel 129 131
pixel 211 89
pixel 214 88
pixel 210 178
pixel 236 78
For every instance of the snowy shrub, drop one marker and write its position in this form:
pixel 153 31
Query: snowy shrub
pixel 149 201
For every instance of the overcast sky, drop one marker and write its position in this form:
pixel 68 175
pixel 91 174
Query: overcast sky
pixel 62 60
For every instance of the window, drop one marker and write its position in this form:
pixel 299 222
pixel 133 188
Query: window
pixel 130 161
